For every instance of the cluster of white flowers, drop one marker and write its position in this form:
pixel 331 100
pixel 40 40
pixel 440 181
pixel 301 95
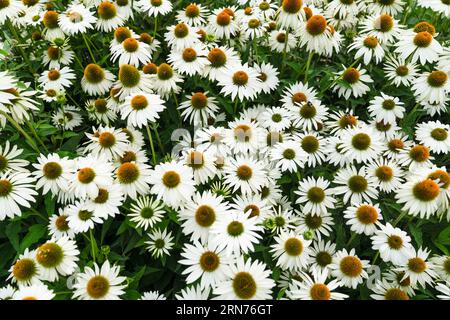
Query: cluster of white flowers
pixel 286 181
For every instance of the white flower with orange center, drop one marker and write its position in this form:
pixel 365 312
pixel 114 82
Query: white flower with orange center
pixel 356 185
pixel 432 87
pixel 420 45
pixel 181 36
pixel 393 244
pixel 368 48
pixel 130 81
pixel 53 173
pixel 414 157
pixel 315 195
pixel 76 19
pixel 348 268
pixel 399 71
pixel 131 51
pixel 418 268
pixel 166 80
pixel 193 14
pixel 291 251
pixel 25 271
pixel 155 8
pixel 291 14
pixel 240 82
pixel 34 292
pixel 57 79
pixel 58 226
pixel 383 290
pixel 352 82
pixel 108 16
pixel 220 60
pixel 245 174
pixel 435 135
pixel 222 23
pixel 189 60
pixel 363 218
pixel 199 107
pixel 318 36
pixel 344 8
pixel 141 108
pixel 280 40
pixel 384 27
pixel 361 144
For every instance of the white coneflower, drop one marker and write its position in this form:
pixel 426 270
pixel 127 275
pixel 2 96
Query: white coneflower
pixel 194 293
pixel 318 36
pixel 386 108
pixel 278 39
pixel 322 254
pixel 141 108
pixel 435 135
pixel 368 48
pixel 383 290
pixel 244 135
pixel 57 257
pixel 76 19
pixel 96 80
pixel 204 262
pixel 166 80
pixel 291 14
pixel 99 283
pixel 393 244
pixel 288 156
pixel 315 195
pixel 240 82
pixel 268 75
pixel 363 218
pixel 314 147
pixel 107 201
pixel 80 219
pixel 222 23
pixel 189 60
pixel 181 36
pixel 361 144
pixel 134 178
pixel 53 173
pixel 202 162
pixel 155 7
pixel 160 242
pixel 388 174
pixel 418 268
pixel 220 60
pixel 59 226
pixel 199 107
pixel 384 27
pixel 421 46
pixel 99 111
pixel 193 14
pixel 130 81
pixel 68 117
pixel 400 72
pixel 106 142
pixel 432 87
pixel 108 16
pixel 146 212
pixel 356 185
pixel 344 8
pixel 348 268
pixel 291 251
pixel 34 292
pixel 16 189
pixel 57 79
pixel 415 156
pixel 354 82
pixel 246 280
pixel 131 51
pixel 245 174
pixel 9 158
pixel 55 56
pixel 25 270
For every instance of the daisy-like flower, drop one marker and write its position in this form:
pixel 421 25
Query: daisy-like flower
pixel 280 40
pixel 222 23
pixel 244 136
pixel 418 269
pixel 205 262
pixel 297 95
pixel 275 119
pixel 318 36
pixel 363 218
pixel 108 16
pixel 76 19
pixel 322 254
pixel 131 81
pixel 288 156
pixel 435 135
pixel 441 267
pixel 57 257
pixel 343 8
pixel 189 60
pixel 155 7
pixel 58 226
pixel 348 268
pixel 220 60
pixel 10 10
pixel 315 287
pixel 245 174
pixel 420 45
pixel 392 243
pixel 445 290
pixel 384 27
pixel 141 108
pixel 57 79
pixel 388 174
pixel 313 145
pixel 181 36
pixel 291 251
pixel 386 108
pixel 315 195
pixel 91 173
pixel 107 201
pixel 384 290
pixel 80 219
pixel 291 14
pixel 193 14
pixel 246 280
pixel 49 19
pixel 201 213
pixel 361 144
pixel 34 292
pixel 236 232
pixel 240 82
pixel 134 178
pixel 172 182
pixel 99 283
pixel 400 72
pixel 368 48
pixel 55 56
pixel 99 111
pixel 165 81
pixel 307 116
pixel 198 108
pixel 160 243
pixel 432 86
pixel 96 80
pixel 106 142
pixel 194 293
pixel 268 75
pixel 415 156
pixel 202 162
pixel 7 292
pixel 356 185
pixel 9 158
pixel 53 173
pixel 131 51
pixel 68 117
pixel 352 82
pixel 340 120
pixel 419 196
pixel 152 295
pixel 16 189
pixel 146 212
pixel 317 225
pixel 25 270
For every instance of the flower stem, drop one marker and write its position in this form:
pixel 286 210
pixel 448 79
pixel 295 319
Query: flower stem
pixel 19 128
pixel 89 48
pixel 22 52
pixel 156 27
pixel 158 139
pixel 151 144
pixel 284 50
pixel 399 218
pixel 308 64
pixel 351 239
pixel 92 240
pixel 33 131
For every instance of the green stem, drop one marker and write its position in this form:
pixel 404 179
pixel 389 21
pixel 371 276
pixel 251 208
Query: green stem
pixel 308 64
pixel 79 62
pixel 284 50
pixel 91 240
pixel 151 144
pixel 156 27
pixel 19 128
pixel 236 106
pixel 158 139
pixel 351 239
pixel 89 48
pixel 33 131
pixel 399 218
pixel 376 257
pixel 22 52
pixel 176 105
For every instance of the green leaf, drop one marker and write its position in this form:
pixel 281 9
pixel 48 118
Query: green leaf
pixel 444 236
pixel 416 233
pixel 35 233
pixel 12 232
